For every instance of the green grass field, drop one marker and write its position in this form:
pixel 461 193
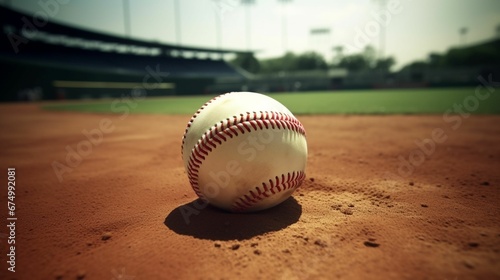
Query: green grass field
pixel 386 101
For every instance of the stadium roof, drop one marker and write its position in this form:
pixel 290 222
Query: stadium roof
pixel 18 26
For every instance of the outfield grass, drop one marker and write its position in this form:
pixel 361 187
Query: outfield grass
pixel 392 101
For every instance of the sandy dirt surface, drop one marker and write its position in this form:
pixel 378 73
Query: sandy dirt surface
pixel 117 212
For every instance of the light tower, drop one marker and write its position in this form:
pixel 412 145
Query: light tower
pixel 177 21
pixel 463 32
pixel 382 6
pixel 218 19
pixel 283 24
pixel 126 17
pixel 248 4
pixel 320 40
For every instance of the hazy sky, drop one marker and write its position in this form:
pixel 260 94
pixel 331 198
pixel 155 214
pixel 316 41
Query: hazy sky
pixel 416 28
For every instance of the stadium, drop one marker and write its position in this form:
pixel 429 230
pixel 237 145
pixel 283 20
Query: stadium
pixel 104 178
pixel 61 62
pixel 55 58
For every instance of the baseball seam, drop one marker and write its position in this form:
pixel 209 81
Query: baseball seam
pixel 271 187
pixel 196 115
pixel 231 127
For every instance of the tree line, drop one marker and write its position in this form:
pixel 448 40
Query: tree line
pixel 367 60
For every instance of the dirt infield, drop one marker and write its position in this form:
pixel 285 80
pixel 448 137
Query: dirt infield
pixel 375 204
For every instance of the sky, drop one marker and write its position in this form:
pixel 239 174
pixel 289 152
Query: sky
pixel 413 28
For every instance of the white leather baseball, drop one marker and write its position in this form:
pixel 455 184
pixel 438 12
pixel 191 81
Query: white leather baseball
pixel 244 151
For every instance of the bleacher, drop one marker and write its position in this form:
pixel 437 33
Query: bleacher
pixel 177 67
pixel 36 56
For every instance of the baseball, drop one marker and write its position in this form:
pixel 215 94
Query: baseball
pixel 244 152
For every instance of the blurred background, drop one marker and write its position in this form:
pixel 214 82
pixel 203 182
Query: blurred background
pixel 76 49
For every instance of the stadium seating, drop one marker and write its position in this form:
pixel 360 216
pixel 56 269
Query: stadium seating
pixel 36 55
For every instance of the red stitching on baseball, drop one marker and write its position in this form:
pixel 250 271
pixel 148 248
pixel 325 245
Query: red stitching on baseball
pixel 205 144
pixel 196 115
pixel 250 199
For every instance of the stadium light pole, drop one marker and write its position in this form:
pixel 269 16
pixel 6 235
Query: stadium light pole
pixel 218 29
pixel 126 17
pixel 218 21
pixel 177 22
pixel 248 3
pixel 320 40
pixel 339 54
pixel 283 24
pixel 382 5
pixel 463 31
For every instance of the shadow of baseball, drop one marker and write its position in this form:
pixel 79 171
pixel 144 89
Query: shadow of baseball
pixel 212 223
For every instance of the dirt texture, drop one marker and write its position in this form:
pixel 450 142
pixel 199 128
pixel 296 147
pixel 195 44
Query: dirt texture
pixel 376 202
